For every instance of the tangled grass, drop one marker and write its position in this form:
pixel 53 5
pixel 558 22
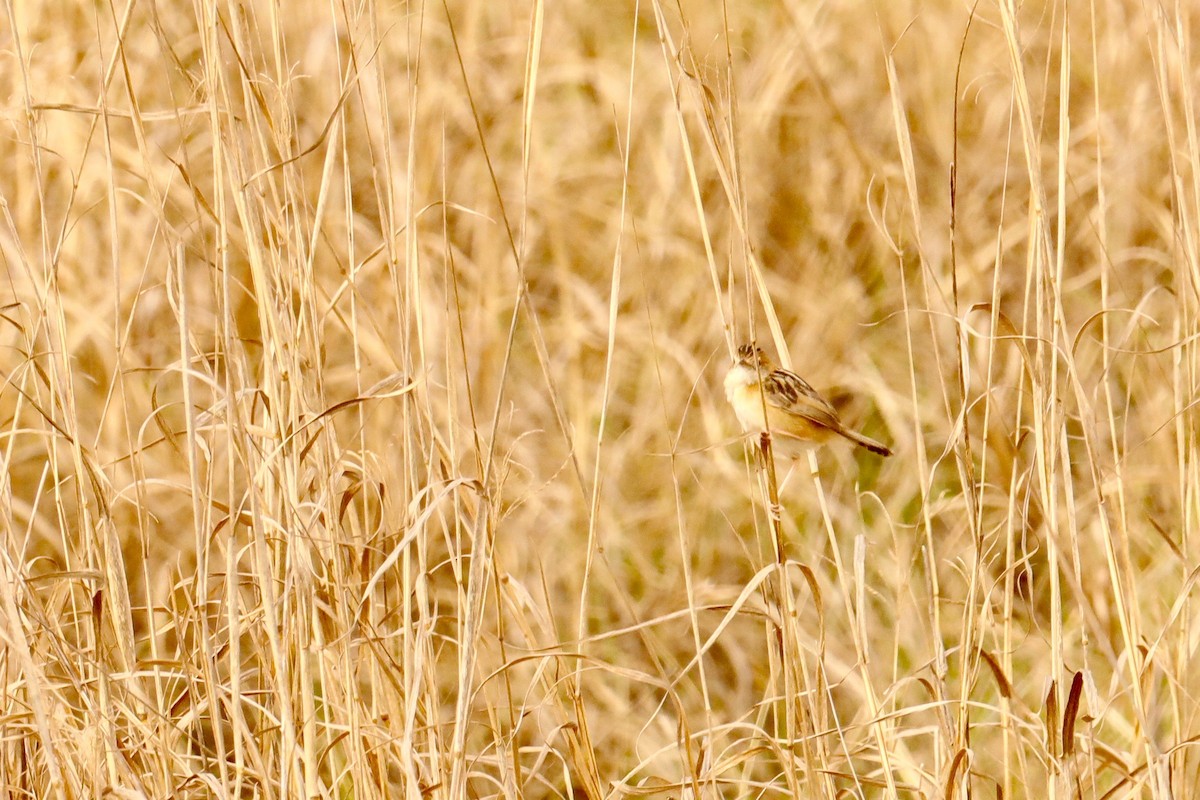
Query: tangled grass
pixel 361 416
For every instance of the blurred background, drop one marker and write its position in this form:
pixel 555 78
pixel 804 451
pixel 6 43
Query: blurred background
pixel 363 432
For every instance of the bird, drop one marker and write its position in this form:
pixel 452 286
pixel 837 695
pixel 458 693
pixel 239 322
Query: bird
pixel 776 401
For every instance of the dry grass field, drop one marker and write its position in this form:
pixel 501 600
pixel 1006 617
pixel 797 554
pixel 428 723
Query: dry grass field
pixel 362 427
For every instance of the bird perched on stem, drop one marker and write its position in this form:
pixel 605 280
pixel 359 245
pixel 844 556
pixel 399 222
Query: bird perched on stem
pixel 775 401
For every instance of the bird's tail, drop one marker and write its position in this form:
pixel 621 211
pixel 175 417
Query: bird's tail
pixel 866 442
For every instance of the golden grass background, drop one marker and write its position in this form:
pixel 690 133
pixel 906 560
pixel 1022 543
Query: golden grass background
pixel 362 426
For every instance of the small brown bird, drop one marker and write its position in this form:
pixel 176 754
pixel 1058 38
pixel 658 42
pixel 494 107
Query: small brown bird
pixel 797 418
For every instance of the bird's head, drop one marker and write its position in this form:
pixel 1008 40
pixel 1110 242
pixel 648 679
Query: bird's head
pixel 752 357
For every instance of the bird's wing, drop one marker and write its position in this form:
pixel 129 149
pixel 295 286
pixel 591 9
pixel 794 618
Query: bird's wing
pixel 789 392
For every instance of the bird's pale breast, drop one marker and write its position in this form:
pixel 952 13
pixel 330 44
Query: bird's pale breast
pixel 792 431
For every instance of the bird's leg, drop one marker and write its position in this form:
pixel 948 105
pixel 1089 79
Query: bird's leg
pixel 774 507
